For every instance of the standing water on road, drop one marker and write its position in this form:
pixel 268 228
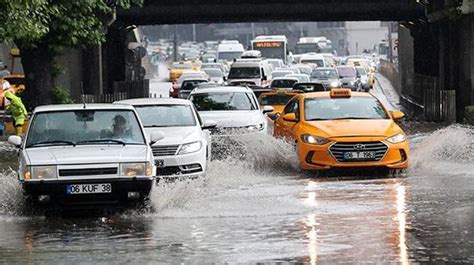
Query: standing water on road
pixel 260 208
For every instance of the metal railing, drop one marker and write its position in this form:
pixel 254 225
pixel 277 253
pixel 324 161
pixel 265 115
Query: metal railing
pixel 440 105
pixel 105 98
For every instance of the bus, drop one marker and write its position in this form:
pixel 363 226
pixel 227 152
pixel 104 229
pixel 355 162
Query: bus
pixel 314 44
pixel 272 46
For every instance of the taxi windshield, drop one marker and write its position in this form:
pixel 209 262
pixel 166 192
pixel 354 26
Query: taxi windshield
pixel 343 108
pixel 84 127
pixel 166 115
pixel 275 99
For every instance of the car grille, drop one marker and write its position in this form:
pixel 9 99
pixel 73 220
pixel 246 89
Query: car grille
pixel 338 149
pixel 179 170
pixel 88 171
pixel 165 150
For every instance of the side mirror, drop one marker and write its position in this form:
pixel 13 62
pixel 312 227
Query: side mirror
pixel 156 136
pixel 267 109
pixel 264 78
pixel 15 140
pixel 396 114
pixel 289 117
pixel 273 116
pixel 209 124
pixel 224 78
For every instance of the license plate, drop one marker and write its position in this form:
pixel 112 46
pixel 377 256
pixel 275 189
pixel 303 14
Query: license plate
pixel 359 155
pixel 160 163
pixel 89 188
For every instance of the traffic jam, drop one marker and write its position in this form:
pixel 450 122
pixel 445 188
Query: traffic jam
pixel 106 155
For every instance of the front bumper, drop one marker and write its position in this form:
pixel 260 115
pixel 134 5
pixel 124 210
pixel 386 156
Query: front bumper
pixel 56 190
pixel 182 165
pixel 319 157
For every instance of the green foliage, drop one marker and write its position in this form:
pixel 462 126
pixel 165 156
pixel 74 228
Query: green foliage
pixel 469 115
pixel 58 23
pixel 61 96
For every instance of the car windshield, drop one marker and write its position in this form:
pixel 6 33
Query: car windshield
pixel 84 127
pixel 223 101
pixel 285 83
pixel 244 72
pixel 318 62
pixel 361 71
pixel 275 99
pixel 182 65
pixel 166 115
pixel 228 56
pixel 347 71
pixel 191 84
pixel 309 87
pixel 324 74
pixel 214 72
pixel 344 108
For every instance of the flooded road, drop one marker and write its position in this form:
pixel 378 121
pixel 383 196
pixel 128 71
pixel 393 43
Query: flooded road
pixel 261 209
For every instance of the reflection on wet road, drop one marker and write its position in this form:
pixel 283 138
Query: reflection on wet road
pixel 250 215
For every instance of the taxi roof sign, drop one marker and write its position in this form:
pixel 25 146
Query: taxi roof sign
pixel 340 93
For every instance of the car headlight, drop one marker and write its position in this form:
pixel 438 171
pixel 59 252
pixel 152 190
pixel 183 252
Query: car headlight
pixel 397 138
pixel 312 139
pixel 190 148
pixel 135 169
pixel 40 172
pixel 334 84
pixel 257 127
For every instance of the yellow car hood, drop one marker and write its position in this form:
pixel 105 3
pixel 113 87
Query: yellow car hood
pixel 340 128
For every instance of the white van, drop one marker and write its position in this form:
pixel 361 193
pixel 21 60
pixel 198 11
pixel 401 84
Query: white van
pixel 254 72
pixel 92 156
pixel 227 51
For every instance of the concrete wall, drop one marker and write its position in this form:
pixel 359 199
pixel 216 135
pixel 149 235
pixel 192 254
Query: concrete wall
pixel 364 35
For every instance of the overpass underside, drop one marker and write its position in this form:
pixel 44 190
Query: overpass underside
pixel 214 11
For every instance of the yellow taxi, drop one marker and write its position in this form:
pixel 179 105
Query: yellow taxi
pixel 178 68
pixel 277 99
pixel 343 129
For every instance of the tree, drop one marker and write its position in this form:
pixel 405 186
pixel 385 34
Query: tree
pixel 41 29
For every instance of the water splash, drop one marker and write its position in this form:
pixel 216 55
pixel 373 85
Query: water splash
pixel 446 150
pixel 11 195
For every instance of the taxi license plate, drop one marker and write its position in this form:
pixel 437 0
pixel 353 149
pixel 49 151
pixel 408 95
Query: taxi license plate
pixel 359 155
pixel 89 188
pixel 160 163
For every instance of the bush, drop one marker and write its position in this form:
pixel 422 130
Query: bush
pixel 61 96
pixel 469 115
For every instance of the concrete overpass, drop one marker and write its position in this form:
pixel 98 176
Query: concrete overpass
pixel 212 11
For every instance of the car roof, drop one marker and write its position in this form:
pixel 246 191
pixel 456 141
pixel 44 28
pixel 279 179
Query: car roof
pixel 94 106
pixel 154 101
pixel 195 79
pixel 285 78
pixel 221 89
pixel 324 68
pixel 324 94
pixel 279 92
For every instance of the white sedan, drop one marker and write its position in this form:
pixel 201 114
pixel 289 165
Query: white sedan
pixel 185 149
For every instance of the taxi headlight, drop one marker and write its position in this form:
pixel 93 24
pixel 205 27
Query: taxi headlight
pixel 190 148
pixel 312 139
pixel 42 172
pixel 397 138
pixel 334 84
pixel 133 169
pixel 257 127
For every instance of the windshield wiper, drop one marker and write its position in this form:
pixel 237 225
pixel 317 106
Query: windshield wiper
pixel 317 119
pixel 52 143
pixel 102 141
